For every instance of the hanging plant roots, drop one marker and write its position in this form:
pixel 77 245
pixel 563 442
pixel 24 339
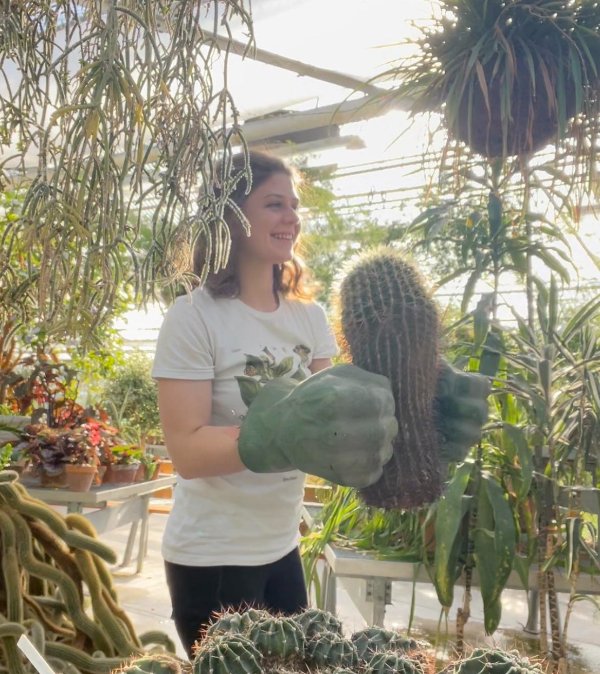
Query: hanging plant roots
pixel 390 326
pixel 55 587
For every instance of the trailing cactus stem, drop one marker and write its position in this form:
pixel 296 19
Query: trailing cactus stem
pixel 390 326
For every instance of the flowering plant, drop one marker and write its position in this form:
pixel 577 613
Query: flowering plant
pixel 88 442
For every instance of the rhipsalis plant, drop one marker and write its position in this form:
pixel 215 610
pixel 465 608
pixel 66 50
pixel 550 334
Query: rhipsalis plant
pixel 112 118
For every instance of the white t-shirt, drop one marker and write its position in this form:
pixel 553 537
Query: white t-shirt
pixel 246 518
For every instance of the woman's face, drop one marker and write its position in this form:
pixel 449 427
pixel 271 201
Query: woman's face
pixel 272 211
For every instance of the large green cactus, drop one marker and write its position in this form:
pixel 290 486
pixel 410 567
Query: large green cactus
pixel 316 621
pixel 227 654
pixel 278 637
pixel 331 650
pixel 370 640
pixel 390 326
pixel 393 663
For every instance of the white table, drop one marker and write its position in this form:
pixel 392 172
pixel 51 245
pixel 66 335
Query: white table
pixel 110 506
pixel 368 580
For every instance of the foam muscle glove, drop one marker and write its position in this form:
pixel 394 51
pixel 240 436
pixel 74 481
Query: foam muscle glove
pixel 338 424
pixel 462 409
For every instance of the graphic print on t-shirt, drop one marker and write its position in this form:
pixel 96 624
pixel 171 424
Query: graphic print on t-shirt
pixel 263 368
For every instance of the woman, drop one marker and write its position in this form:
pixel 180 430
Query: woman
pixel 232 535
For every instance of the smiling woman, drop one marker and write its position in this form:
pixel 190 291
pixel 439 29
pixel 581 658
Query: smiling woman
pixel 249 338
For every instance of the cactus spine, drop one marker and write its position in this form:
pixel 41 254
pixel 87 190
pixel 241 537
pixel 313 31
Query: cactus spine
pixel 390 326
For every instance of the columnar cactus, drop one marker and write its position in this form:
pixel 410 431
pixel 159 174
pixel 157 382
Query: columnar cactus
pixel 278 637
pixel 495 661
pixel 331 650
pixel 315 621
pixel 390 326
pixel 227 654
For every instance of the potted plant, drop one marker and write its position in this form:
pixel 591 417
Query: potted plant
pixel 49 451
pixel 126 459
pixel 509 76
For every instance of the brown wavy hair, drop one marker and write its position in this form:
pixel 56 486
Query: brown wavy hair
pixel 289 278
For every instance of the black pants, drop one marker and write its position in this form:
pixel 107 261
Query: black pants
pixel 198 591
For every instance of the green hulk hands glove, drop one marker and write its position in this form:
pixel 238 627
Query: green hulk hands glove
pixel 338 424
pixel 461 411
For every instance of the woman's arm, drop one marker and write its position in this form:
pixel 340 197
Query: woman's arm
pixel 196 448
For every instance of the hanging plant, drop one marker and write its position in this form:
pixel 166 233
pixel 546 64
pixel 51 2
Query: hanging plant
pixel 112 115
pixel 509 76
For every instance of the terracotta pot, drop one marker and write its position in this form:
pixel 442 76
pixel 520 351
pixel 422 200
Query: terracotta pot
pixel 121 473
pixel 79 477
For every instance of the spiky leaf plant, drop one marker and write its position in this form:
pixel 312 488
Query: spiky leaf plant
pixel 389 323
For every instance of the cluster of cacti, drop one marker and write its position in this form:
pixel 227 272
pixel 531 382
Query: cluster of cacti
pixel 247 642
pixel 389 325
pixel 256 642
pixel 55 587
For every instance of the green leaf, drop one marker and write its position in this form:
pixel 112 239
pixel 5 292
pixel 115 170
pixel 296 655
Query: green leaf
pixel 450 514
pixel 494 547
pixel 249 389
pixel 517 437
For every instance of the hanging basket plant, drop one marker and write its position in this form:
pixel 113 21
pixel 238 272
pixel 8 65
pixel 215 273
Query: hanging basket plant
pixel 508 76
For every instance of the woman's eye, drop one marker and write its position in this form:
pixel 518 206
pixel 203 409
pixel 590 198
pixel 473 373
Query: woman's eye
pixel 274 205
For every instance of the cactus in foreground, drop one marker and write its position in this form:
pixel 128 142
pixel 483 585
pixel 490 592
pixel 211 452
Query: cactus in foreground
pixel 316 621
pixel 227 654
pixel 390 662
pixel 374 639
pixel 331 650
pixel 494 661
pixel 228 622
pixel 278 637
pixel 389 324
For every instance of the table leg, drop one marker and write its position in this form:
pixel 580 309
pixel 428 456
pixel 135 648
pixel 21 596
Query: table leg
pixel 130 542
pixel 143 547
pixel 329 589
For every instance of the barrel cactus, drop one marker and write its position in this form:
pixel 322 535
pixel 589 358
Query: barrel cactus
pixel 331 650
pixel 228 622
pixel 374 639
pixel 316 621
pixel 390 662
pixel 227 654
pixel 278 637
pixel 389 324
pixel 495 661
